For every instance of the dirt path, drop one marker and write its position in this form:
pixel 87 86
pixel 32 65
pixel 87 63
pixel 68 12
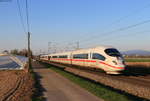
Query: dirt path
pixel 58 88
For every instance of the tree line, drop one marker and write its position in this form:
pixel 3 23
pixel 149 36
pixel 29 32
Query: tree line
pixel 22 52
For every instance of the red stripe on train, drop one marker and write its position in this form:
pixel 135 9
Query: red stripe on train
pixel 81 60
pixel 111 65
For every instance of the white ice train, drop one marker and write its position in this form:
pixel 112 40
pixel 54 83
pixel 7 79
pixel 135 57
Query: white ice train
pixel 106 58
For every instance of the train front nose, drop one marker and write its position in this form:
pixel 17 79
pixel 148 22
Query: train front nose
pixel 115 59
pixel 117 67
pixel 119 63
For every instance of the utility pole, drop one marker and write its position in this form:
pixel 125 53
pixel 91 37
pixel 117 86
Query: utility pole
pixel 29 51
pixel 28 30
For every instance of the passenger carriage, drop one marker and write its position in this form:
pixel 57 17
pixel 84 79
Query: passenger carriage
pixel 106 58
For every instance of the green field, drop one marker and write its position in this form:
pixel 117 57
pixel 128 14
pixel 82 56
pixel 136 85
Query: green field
pixel 137 59
pixel 100 90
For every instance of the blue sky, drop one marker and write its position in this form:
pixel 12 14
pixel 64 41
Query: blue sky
pixel 68 21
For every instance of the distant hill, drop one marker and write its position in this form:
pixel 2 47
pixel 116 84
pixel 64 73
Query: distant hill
pixel 136 52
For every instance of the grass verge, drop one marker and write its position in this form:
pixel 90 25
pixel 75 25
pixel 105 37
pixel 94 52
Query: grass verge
pixel 137 59
pixel 100 90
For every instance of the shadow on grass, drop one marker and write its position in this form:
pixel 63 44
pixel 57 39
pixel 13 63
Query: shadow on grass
pixel 137 71
pixel 38 93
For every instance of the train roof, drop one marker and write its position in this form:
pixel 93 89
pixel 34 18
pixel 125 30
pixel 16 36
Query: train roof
pixel 97 47
pixel 62 53
pixel 86 49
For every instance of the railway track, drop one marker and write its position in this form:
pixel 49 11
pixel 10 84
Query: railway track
pixel 138 80
pixel 137 85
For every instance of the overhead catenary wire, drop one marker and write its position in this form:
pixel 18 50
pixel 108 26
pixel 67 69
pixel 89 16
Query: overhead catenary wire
pixel 27 16
pixel 119 20
pixel 133 12
pixel 117 30
pixel 106 39
pixel 130 14
pixel 27 26
pixel 21 17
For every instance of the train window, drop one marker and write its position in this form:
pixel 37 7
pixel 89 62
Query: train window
pixel 98 56
pixel 63 56
pixel 112 52
pixel 54 56
pixel 80 56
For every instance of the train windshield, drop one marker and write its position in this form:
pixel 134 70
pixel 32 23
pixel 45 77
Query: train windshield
pixel 112 52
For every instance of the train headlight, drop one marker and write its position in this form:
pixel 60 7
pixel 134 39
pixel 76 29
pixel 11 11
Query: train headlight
pixel 114 62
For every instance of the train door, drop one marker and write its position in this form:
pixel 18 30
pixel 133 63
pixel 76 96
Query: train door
pixel 88 60
pixel 94 61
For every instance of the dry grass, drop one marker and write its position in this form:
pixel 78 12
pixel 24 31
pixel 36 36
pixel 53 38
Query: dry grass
pixel 139 64
pixel 15 86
